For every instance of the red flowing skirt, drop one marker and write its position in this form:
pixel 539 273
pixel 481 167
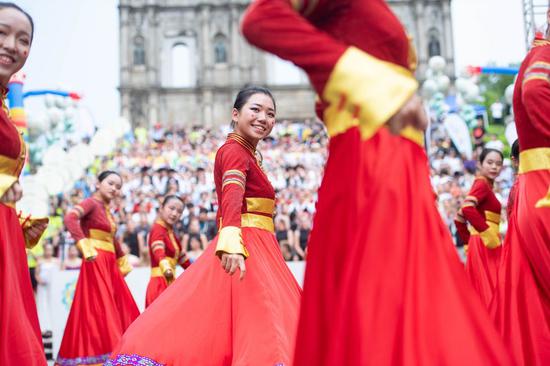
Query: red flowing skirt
pixel 102 309
pixel 481 267
pixel 208 318
pixel 521 304
pixel 155 287
pixel 384 284
pixel 20 338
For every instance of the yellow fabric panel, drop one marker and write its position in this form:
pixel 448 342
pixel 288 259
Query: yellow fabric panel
pixel 365 91
pixel 258 204
pixel 230 241
pixel 101 235
pixel 534 159
pixel 492 217
pixel 6 181
pixel 258 221
pixel 124 265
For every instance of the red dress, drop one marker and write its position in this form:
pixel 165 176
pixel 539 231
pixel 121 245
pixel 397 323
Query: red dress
pixel 521 306
pixel 208 318
pixel 481 209
pixel 165 251
pixel 103 306
pixel 383 284
pixel 20 338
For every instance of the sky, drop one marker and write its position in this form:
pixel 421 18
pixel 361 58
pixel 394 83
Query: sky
pixel 76 46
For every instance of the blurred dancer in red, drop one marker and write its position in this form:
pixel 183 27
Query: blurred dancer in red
pixel 103 306
pixel 481 209
pixel 165 248
pixel 20 338
pixel 521 306
pixel 383 284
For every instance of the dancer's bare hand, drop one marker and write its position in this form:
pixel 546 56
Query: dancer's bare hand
pixel 13 194
pixel 230 263
pixel 411 114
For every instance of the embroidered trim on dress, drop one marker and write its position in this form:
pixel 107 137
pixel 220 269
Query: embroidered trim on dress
pixel 132 360
pixel 86 360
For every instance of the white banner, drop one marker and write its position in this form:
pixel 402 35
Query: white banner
pixel 64 284
pixel 511 133
pixel 459 133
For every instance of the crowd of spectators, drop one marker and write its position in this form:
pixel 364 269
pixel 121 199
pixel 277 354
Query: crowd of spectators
pixel 159 162
pixel 162 161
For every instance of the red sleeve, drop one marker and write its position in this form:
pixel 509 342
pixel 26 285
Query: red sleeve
pixel 536 96
pixel 72 220
pixel 157 244
pixel 118 249
pixel 234 169
pixel 477 195
pixel 183 260
pixel 275 27
pixel 462 227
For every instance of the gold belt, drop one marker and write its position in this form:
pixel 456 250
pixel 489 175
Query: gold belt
pixel 102 245
pixel 257 221
pixel 254 220
pixel 534 159
pixel 102 240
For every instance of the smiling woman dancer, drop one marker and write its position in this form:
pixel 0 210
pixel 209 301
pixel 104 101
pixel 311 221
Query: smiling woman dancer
pixel 208 317
pixel 382 271
pixel 481 209
pixel 20 338
pixel 165 248
pixel 103 306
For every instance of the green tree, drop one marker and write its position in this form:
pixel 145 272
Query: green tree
pixel 492 87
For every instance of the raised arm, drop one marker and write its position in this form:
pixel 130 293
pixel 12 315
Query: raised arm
pixel 358 89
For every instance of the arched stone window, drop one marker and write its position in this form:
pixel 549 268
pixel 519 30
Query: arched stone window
pixel 139 50
pixel 434 45
pixel 220 49
pixel 183 68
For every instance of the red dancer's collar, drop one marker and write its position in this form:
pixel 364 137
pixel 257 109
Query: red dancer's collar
pixel 243 142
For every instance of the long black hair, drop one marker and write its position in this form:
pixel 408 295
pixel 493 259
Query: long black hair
pixel 5 4
pixel 486 152
pixel 515 150
pixel 169 198
pixel 244 95
pixel 101 177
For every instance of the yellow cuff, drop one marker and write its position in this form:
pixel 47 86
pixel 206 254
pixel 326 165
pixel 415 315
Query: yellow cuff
pixel 165 265
pixel 26 224
pixel 490 238
pixel 230 241
pixel 6 181
pixel 366 92
pixel 87 249
pixel 123 265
